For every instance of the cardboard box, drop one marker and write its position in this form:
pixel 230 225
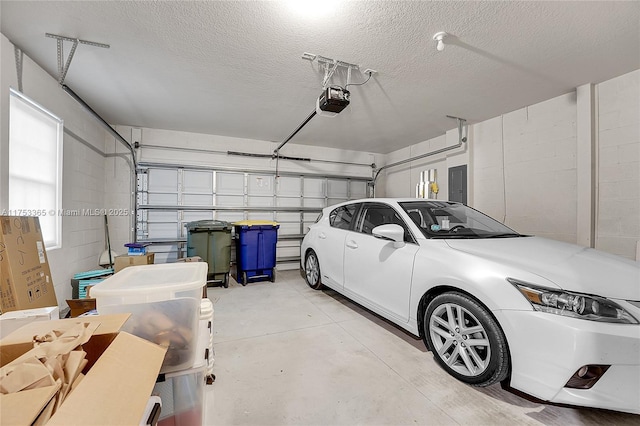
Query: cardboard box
pixel 119 377
pixel 11 321
pixel 25 278
pixel 125 261
pixel 80 306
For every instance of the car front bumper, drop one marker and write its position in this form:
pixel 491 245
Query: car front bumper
pixel 546 351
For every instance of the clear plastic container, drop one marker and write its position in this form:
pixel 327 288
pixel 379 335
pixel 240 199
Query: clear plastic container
pixel 164 301
pixel 182 395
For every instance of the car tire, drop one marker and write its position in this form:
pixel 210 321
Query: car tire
pixel 312 271
pixel 465 339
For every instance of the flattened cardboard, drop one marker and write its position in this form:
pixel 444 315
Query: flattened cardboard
pixel 25 278
pixel 31 403
pixel 117 388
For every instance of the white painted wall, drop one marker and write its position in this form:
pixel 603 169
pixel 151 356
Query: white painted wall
pixel 618 207
pixel 401 181
pixel 523 167
pixel 83 168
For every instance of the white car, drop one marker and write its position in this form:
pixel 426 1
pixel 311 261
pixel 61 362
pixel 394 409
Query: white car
pixel 557 321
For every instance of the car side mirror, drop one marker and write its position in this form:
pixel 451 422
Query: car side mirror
pixel 391 232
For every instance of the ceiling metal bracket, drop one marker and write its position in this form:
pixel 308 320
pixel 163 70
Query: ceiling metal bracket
pixel 330 66
pixel 63 67
pixel 19 57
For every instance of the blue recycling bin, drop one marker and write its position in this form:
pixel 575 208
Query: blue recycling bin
pixel 256 250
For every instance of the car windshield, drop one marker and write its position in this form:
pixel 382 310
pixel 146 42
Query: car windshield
pixel 443 219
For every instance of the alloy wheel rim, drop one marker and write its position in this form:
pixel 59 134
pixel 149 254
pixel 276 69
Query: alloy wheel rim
pixel 460 340
pixel 312 269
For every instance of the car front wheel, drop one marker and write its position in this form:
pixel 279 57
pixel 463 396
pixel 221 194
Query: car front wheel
pixel 312 271
pixel 466 340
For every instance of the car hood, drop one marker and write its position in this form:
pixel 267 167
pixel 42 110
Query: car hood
pixel 569 266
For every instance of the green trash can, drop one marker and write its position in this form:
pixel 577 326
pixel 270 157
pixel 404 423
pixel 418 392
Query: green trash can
pixel 211 240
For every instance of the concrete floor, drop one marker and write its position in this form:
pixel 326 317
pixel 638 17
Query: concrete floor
pixel 289 355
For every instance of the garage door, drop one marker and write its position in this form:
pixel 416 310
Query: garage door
pixel 170 197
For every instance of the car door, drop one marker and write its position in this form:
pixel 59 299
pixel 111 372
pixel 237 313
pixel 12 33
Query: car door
pixel 330 243
pixel 375 272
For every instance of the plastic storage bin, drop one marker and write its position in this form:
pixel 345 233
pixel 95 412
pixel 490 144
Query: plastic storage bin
pixel 164 301
pixel 211 240
pixel 256 250
pixel 182 395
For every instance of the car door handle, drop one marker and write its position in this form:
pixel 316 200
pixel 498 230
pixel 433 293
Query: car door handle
pixel 352 244
pixel 322 236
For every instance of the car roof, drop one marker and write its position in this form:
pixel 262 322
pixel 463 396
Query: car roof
pixel 383 200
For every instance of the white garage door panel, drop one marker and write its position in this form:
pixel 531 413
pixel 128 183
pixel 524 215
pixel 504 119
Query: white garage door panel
pixel 287 217
pixel 289 228
pixel 229 200
pixel 314 202
pixel 192 215
pixel 337 188
pixel 289 186
pixel 162 216
pixel 160 180
pixel 229 216
pixel 358 190
pixel 332 201
pixel 260 216
pixel 197 199
pixel 198 181
pixel 163 230
pixel 288 201
pixel 259 185
pixel 287 251
pixel 163 199
pixel 313 187
pixel 260 201
pixel 230 183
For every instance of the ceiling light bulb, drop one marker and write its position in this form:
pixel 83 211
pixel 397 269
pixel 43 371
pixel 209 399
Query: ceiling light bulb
pixel 439 38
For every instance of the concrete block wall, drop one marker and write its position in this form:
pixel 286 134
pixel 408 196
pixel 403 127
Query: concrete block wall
pixel 83 168
pixel 540 168
pixel 523 167
pixel 618 207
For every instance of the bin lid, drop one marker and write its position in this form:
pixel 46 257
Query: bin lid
pixel 162 278
pixel 208 225
pixel 250 223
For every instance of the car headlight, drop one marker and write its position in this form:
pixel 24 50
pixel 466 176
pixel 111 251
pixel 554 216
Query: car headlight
pixel 573 305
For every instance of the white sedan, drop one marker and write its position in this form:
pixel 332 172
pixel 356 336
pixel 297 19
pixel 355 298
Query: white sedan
pixel 557 321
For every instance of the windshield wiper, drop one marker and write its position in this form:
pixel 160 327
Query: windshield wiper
pixel 505 235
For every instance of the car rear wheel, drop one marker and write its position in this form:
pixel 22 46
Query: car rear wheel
pixel 466 340
pixel 312 271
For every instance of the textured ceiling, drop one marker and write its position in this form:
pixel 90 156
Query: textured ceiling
pixel 235 68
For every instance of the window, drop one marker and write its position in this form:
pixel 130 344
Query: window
pixel 373 215
pixel 35 165
pixel 342 216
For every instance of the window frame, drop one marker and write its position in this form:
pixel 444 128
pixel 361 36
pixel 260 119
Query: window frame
pixel 359 219
pixel 334 214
